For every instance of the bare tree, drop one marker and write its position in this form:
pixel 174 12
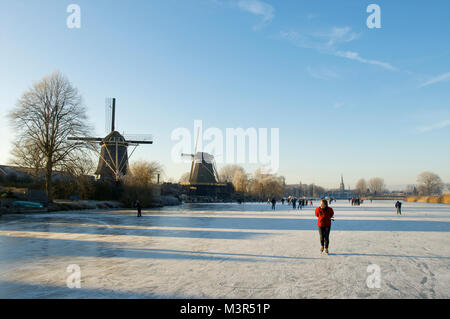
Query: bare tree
pixel 376 185
pixel 143 173
pixel 228 172
pixel 430 184
pixel 27 154
pixel 80 165
pixel 236 175
pixel 361 186
pixel 241 181
pixel 45 115
pixel 266 185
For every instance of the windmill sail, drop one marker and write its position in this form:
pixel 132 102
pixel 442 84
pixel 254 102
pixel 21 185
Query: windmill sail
pixel 140 138
pixel 113 161
pixel 109 127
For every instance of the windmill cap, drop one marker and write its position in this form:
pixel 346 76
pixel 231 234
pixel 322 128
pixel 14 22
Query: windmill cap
pixel 204 156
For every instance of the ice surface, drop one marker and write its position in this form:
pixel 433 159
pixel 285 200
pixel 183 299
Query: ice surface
pixel 228 251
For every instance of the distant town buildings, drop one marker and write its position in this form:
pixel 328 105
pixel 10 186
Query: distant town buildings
pixel 341 193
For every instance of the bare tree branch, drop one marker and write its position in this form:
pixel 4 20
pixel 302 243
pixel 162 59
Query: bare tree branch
pixel 45 115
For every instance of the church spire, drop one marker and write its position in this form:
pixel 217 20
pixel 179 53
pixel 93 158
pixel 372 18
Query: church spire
pixel 342 187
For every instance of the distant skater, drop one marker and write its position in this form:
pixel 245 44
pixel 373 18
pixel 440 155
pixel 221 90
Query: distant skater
pixel 139 208
pixel 274 202
pixel 282 201
pixel 294 201
pixel 324 215
pixel 398 205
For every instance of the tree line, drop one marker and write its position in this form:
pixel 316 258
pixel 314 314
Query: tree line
pixel 429 183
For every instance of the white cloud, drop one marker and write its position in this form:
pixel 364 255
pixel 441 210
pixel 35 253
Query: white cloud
pixel 439 78
pixel 339 35
pixel 258 8
pixel 327 42
pixel 320 40
pixel 433 127
pixel 355 56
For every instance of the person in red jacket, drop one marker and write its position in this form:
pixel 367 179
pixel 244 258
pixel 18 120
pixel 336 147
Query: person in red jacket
pixel 324 214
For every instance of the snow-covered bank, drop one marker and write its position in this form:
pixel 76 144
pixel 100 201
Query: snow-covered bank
pixel 228 251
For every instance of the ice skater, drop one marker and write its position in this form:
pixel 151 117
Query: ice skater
pixel 139 208
pixel 274 202
pixel 324 215
pixel 398 205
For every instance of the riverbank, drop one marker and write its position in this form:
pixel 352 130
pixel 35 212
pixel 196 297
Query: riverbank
pixel 62 205
pixel 67 205
pixel 441 199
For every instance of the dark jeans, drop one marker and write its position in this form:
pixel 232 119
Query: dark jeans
pixel 139 213
pixel 324 233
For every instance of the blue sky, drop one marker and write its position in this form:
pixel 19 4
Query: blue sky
pixel 347 99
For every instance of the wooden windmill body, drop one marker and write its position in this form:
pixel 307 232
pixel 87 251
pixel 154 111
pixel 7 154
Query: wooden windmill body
pixel 203 177
pixel 113 153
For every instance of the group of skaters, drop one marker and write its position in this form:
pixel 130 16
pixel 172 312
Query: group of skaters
pixel 293 201
pixel 356 201
pixel 296 203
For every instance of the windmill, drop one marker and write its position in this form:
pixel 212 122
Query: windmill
pixel 203 177
pixel 113 153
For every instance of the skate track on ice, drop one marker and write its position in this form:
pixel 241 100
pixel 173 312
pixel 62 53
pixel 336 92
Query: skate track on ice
pixel 228 251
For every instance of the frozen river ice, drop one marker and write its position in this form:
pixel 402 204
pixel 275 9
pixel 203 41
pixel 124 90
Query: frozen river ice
pixel 228 251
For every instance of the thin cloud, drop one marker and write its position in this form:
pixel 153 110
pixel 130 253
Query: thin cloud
pixel 321 41
pixel 355 56
pixel 433 127
pixel 339 35
pixel 327 43
pixel 258 8
pixel 439 78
